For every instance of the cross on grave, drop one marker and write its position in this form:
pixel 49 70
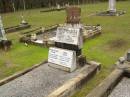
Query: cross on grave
pixel 112 6
pixel 2 31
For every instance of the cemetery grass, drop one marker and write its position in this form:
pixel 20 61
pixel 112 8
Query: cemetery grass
pixel 106 48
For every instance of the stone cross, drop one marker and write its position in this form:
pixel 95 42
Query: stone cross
pixel 2 31
pixel 112 6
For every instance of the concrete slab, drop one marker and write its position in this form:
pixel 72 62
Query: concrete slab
pixel 122 89
pixel 39 82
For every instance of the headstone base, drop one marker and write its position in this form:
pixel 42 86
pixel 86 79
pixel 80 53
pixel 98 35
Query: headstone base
pixel 111 13
pixel 60 67
pixel 69 47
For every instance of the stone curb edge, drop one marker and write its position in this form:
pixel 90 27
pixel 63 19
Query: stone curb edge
pixel 107 85
pixel 18 74
pixel 70 87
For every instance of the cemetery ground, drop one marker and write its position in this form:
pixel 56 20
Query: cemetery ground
pixel 106 48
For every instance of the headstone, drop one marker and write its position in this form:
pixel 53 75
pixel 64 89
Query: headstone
pixel 2 31
pixel 73 15
pixel 70 38
pixel 112 6
pixel 23 22
pixel 68 42
pixel 63 57
pixel 68 35
pixel 58 7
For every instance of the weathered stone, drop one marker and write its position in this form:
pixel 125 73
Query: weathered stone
pixel 73 15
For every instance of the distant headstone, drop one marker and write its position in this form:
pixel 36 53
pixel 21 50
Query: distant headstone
pixel 73 15
pixel 112 6
pixel 58 6
pixel 2 31
pixel 23 22
pixel 69 42
pixel 62 57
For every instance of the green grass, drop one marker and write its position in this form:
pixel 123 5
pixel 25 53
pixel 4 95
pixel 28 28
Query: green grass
pixel 106 48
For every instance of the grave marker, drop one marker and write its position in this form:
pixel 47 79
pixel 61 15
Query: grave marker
pixel 63 57
pixel 67 35
pixel 68 43
pixel 2 31
pixel 112 6
pixel 23 22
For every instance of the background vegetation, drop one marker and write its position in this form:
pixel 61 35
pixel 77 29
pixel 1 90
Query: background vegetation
pixel 9 5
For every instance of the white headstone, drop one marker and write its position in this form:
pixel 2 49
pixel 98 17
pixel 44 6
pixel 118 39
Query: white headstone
pixel 2 31
pixel 62 57
pixel 112 6
pixel 58 6
pixel 69 35
pixel 23 20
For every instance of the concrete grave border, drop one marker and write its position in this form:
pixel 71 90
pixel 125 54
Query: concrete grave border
pixel 16 28
pixel 70 87
pixel 107 85
pixel 18 74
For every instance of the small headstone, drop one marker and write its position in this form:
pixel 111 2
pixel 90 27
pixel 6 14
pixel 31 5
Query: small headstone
pixel 63 57
pixel 23 22
pixel 58 7
pixel 68 43
pixel 33 37
pixel 112 6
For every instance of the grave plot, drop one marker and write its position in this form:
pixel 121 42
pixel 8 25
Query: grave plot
pixel 111 10
pixel 117 83
pixel 23 25
pixel 4 43
pixel 47 36
pixel 65 71
pixel 44 80
pixel 40 36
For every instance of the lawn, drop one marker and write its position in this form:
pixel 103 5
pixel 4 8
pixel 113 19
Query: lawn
pixel 106 48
